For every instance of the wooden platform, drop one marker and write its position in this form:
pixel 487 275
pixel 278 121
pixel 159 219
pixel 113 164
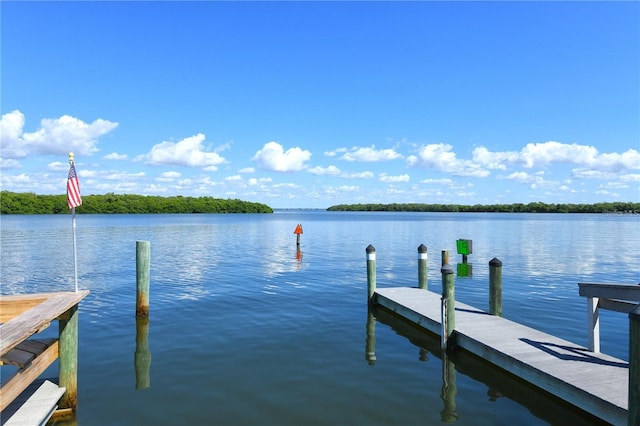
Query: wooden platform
pixel 596 383
pixel 23 316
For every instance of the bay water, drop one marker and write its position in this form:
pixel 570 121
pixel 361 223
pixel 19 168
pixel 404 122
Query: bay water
pixel 245 328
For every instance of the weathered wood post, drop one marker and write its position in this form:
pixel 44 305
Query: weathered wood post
pixel 445 257
pixel 495 287
pixel 448 306
pixel 142 355
pixel 371 271
pixel 422 266
pixel 143 255
pixel 634 367
pixel 68 358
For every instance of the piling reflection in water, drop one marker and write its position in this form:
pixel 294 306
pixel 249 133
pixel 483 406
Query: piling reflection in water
pixel 499 385
pixel 370 345
pixel 142 356
pixel 449 391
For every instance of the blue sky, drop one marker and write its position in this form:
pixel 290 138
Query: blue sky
pixel 312 104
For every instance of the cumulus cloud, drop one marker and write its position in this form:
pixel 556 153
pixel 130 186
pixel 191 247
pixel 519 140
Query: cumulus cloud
pixel 441 157
pixel 188 152
pixel 168 176
pixel 115 156
pixel 273 157
pixel 323 171
pixel 538 155
pixel 366 154
pixel 53 137
pixel 358 175
pixel 393 179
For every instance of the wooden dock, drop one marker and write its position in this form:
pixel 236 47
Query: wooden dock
pixel 594 382
pixel 24 398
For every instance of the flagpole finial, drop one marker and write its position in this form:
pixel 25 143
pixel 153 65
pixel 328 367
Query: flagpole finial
pixel 71 157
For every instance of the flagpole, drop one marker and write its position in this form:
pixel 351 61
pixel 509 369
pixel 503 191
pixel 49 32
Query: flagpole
pixel 75 253
pixel 73 226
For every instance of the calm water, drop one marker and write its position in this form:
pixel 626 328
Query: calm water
pixel 243 331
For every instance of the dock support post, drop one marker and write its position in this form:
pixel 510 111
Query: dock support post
pixel 371 271
pixel 593 323
pixel 448 313
pixel 634 366
pixel 445 257
pixel 495 287
pixel 68 358
pixel 143 254
pixel 422 267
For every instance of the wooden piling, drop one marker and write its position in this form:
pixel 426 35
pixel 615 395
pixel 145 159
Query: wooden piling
pixel 143 255
pixel 448 306
pixel 142 356
pixel 422 267
pixel 371 271
pixel 445 257
pixel 68 358
pixel 495 287
pixel 634 367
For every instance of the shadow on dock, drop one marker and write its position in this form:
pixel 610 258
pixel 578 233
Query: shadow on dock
pixel 500 384
pixel 570 353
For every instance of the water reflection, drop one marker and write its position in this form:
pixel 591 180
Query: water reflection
pixel 370 343
pixel 449 391
pixel 142 355
pixel 499 385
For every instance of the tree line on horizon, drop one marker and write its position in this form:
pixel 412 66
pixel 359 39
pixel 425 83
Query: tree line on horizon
pixel 534 207
pixel 31 203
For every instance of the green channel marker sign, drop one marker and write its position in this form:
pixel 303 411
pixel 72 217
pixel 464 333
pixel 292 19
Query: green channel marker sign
pixel 464 246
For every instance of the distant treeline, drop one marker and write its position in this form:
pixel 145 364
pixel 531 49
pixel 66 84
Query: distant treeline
pixel 536 207
pixel 30 203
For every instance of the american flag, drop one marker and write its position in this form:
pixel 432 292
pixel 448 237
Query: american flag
pixel 73 188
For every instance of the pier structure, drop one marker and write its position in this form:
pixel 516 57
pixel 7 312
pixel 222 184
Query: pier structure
pixel 25 398
pixel 596 383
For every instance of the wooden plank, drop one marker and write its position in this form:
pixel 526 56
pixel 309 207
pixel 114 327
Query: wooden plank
pixel 31 321
pixel 15 304
pixel 25 352
pixel 594 382
pixel 36 407
pixel 23 377
pixel 629 292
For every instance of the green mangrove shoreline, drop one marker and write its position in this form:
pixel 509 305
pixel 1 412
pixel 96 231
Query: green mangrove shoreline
pixel 30 203
pixel 535 207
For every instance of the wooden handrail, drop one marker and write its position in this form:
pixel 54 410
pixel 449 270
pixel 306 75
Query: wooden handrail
pixel 611 296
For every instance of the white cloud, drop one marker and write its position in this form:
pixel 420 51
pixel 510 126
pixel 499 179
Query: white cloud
pixel 247 170
pixel 9 164
pixel 493 160
pixel 273 157
pixel 443 181
pixel 168 176
pixel 188 152
pixel 323 171
pixel 115 156
pixel 537 155
pixel 393 179
pixel 54 137
pixel 442 158
pixel 358 175
pixel 368 154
